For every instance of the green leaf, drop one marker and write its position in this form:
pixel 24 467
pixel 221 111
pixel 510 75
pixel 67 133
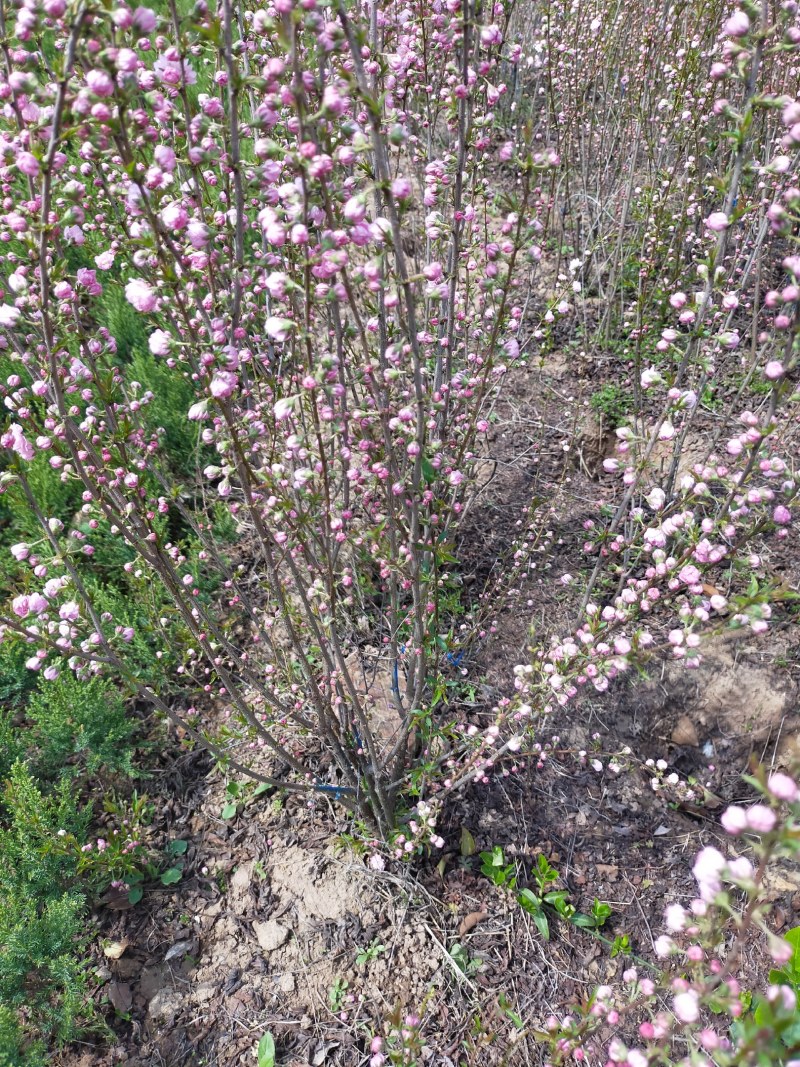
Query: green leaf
pixel 266 1051
pixel 542 925
pixel 579 919
pixel 229 811
pixel 491 859
pixel 428 471
pixel 762 1014
pixel 177 848
pixel 468 846
pixel 600 911
pixel 135 894
pixel 556 897
pixel 793 937
pixel 262 788
pixel 791 1035
pixel 529 902
pixel 171 876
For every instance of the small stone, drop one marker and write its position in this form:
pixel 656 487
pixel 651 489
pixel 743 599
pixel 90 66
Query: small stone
pixel 286 983
pixel 165 1005
pixel 271 935
pixel 205 991
pixel 685 732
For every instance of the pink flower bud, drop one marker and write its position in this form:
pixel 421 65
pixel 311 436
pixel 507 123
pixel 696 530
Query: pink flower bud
pixel 738 25
pixel 734 819
pixel 28 164
pixel 717 221
pixel 760 818
pixel 783 787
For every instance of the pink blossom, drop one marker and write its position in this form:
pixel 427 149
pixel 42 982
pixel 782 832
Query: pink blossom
pixel 105 260
pixel 127 60
pixel 738 25
pixel 28 164
pixel 8 315
pixel 740 869
pixel 283 408
pixel 401 188
pixel 773 370
pixel 141 295
pixel 198 234
pixel 37 603
pixel 717 221
pixel 16 440
pixel 355 209
pixel 675 917
pixel 666 431
pixel 664 946
pixel 689 574
pixel 224 384
pixel 780 949
pixel 491 35
pixel 174 71
pixel 783 995
pixel 69 611
pixel 734 819
pixel 783 787
pixel 278 329
pixel 100 82
pixel 687 1006
pixel 159 343
pixel 165 158
pixel 761 818
pixel 174 216
pixel 708 867
pixel 20 606
pixel 144 19
pixel 781 515
pixel 20 551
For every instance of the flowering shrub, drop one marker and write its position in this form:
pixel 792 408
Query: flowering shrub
pixel 297 210
pixel 684 552
pixel 319 257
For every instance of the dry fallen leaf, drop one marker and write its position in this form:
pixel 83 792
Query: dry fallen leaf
pixel 180 948
pixel 119 993
pixel 685 732
pixel 469 922
pixel 608 870
pixel 114 949
pixel 322 1051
